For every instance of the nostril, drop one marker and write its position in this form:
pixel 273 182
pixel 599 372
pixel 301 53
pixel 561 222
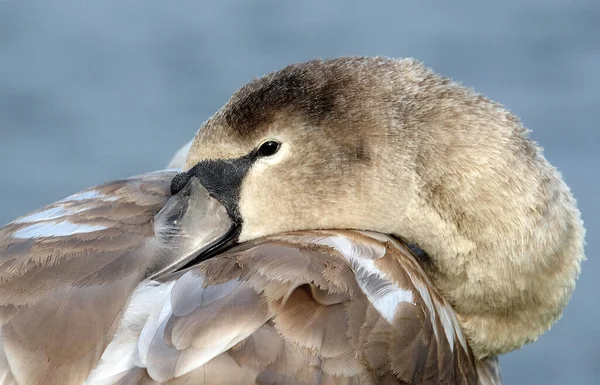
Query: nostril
pixel 179 181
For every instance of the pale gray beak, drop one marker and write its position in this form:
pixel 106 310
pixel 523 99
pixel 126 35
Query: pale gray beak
pixel 195 225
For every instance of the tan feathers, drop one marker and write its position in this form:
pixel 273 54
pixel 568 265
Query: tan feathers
pixel 258 311
pixel 314 307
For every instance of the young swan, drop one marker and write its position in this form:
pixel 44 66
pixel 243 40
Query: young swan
pixel 389 146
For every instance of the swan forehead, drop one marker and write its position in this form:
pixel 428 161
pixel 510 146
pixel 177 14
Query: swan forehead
pixel 336 99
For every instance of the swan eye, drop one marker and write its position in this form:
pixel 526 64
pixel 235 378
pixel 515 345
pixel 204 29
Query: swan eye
pixel 268 148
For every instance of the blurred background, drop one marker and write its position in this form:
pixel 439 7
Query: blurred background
pixel 94 91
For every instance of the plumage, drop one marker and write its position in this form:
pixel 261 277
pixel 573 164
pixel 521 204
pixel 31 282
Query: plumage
pixel 245 297
pixel 300 307
pixel 55 283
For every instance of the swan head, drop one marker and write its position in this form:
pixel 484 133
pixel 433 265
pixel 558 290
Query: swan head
pixel 389 146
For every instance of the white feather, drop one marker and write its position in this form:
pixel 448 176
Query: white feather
pixel 55 229
pixel 121 354
pixel 369 277
pixel 90 194
pixel 49 214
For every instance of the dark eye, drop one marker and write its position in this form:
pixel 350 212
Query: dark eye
pixel 268 148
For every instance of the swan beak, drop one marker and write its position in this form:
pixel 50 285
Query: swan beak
pixel 194 224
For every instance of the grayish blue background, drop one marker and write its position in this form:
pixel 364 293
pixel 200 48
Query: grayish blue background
pixel 93 91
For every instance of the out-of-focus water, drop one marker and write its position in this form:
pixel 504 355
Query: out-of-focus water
pixel 93 91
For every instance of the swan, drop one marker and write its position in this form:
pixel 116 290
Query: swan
pixel 280 252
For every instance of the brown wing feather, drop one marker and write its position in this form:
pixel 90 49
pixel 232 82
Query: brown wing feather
pixel 317 307
pixel 67 272
pixel 488 371
pixel 328 307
